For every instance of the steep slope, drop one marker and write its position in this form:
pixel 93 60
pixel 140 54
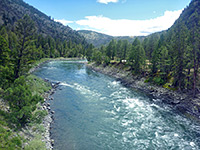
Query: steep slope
pixel 12 10
pixel 98 39
pixel 95 38
pixel 190 15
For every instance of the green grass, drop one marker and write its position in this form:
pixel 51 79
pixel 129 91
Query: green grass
pixel 36 144
pixel 40 61
pixel 37 85
pixel 9 140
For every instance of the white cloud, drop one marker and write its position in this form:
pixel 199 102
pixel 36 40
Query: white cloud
pixel 107 1
pixel 63 21
pixel 124 27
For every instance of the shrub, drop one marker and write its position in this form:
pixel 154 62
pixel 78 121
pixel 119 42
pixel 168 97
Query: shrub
pixel 37 85
pixel 8 140
pixel 36 144
pixel 158 80
pixel 21 101
pixel 38 116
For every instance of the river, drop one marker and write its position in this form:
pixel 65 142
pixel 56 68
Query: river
pixel 95 112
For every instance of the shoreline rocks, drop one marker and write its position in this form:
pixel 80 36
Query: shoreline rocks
pixel 48 120
pixel 183 102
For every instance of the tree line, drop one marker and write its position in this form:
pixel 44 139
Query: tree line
pixel 20 47
pixel 170 58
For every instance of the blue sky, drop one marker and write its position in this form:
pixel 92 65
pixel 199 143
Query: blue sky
pixel 114 17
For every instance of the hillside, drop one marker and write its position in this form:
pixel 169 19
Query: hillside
pixel 98 39
pixel 169 58
pixel 190 16
pixel 95 38
pixel 13 10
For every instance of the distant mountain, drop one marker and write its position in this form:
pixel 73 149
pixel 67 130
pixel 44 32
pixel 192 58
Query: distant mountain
pixel 98 39
pixel 13 10
pixel 95 38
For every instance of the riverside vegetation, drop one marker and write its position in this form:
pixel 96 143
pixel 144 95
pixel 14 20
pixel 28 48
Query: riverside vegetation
pixel 21 47
pixel 170 58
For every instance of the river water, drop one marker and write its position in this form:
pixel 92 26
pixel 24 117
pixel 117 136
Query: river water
pixel 95 112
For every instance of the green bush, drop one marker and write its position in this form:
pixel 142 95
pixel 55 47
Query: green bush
pixel 169 86
pixel 158 80
pixel 38 128
pixel 8 140
pixel 36 144
pixel 21 101
pixel 106 60
pixel 37 85
pixel 38 116
pixel 147 80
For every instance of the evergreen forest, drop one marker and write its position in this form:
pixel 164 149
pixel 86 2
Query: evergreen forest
pixel 170 59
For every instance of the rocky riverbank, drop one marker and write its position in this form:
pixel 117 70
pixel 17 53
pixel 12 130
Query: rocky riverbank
pixel 50 117
pixel 48 120
pixel 183 102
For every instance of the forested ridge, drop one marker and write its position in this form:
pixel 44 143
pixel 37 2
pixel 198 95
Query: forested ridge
pixel 13 10
pixel 20 47
pixel 26 36
pixel 98 39
pixel 170 58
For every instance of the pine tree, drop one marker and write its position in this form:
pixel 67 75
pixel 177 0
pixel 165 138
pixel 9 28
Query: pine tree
pixel 180 47
pixel 6 69
pixel 109 50
pixel 25 33
pixel 125 49
pixel 195 36
pixel 4 52
pixel 164 63
pixel 119 50
pixel 4 33
pixel 137 56
pixel 155 61
pixel 89 52
pixel 21 101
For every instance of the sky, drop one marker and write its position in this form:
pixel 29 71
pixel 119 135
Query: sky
pixel 114 17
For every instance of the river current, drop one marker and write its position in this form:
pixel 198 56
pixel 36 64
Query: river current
pixel 95 112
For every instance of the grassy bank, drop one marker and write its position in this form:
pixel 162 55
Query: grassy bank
pixel 15 136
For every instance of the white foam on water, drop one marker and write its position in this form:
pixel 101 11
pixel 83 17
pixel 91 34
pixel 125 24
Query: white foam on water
pixel 126 122
pixel 176 135
pixel 83 89
pixel 154 105
pixel 87 91
pixel 115 83
pixel 65 84
pixel 192 144
pixel 156 133
pixel 117 108
pixel 132 103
